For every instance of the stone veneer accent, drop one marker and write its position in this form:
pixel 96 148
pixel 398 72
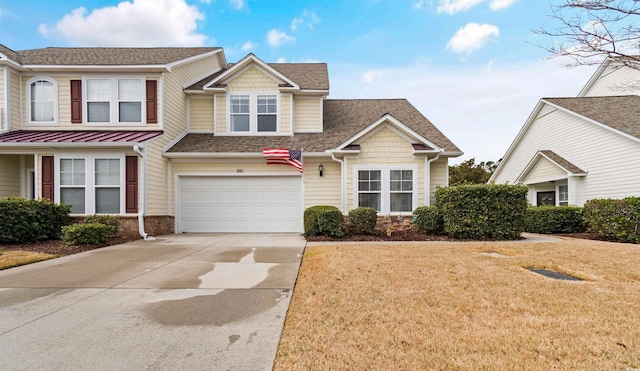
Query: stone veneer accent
pixel 390 223
pixel 153 225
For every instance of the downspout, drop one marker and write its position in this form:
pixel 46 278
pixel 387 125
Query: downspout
pixel 428 200
pixel 136 149
pixel 342 181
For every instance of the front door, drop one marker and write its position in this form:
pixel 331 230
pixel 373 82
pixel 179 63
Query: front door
pixel 546 198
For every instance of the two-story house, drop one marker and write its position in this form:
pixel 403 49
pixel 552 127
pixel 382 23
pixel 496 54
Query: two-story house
pixel 575 149
pixel 176 138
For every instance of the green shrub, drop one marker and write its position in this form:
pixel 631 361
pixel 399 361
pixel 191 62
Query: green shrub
pixel 85 233
pixel 554 219
pixel 111 221
pixel 483 211
pixel 323 220
pixel 363 219
pixel 428 219
pixel 616 219
pixel 24 220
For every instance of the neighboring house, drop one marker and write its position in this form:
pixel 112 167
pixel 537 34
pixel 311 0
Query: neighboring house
pixel 572 150
pixel 175 137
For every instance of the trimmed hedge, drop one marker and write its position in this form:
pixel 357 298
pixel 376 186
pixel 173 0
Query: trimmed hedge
pixel 24 220
pixel 428 219
pixel 85 233
pixel 363 219
pixel 323 220
pixel 111 221
pixel 483 211
pixel 554 219
pixel 616 219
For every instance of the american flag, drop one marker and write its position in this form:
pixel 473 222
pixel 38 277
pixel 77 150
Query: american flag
pixel 283 156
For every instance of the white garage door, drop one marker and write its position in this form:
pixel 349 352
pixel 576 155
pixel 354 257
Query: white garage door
pixel 240 204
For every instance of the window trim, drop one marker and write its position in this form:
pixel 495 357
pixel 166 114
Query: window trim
pixel 559 200
pixel 253 114
pixel 55 101
pixel 114 102
pixel 90 175
pixel 385 175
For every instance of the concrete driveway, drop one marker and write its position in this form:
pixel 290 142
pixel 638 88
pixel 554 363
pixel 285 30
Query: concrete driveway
pixel 206 302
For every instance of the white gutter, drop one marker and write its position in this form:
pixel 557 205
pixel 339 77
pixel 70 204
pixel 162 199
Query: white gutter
pixel 136 149
pixel 342 182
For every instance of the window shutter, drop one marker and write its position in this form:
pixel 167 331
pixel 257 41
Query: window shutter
pixel 47 177
pixel 152 102
pixel 76 101
pixel 131 184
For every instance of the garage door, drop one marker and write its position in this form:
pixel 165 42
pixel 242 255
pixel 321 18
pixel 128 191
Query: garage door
pixel 240 204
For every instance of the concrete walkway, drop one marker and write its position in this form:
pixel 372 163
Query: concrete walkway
pixel 180 302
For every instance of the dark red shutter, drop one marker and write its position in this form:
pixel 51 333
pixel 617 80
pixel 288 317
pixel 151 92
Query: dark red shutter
pixel 47 177
pixel 76 101
pixel 152 102
pixel 132 184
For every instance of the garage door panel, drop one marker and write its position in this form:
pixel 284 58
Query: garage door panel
pixel 240 204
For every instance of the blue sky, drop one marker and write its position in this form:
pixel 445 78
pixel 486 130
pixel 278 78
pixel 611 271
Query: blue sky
pixel 471 66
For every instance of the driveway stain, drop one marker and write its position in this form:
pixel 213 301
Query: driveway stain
pixel 232 256
pixel 277 255
pixel 213 310
pixel 278 276
pixel 233 339
pixel 9 297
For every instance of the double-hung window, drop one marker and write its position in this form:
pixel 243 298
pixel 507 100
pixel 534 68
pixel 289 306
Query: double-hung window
pixel 387 190
pixel 253 113
pixel 91 184
pixel 563 195
pixel 42 101
pixel 113 100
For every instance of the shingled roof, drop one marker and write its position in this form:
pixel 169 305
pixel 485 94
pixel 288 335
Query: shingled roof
pixel 561 161
pixel 102 56
pixel 309 76
pixel 619 112
pixel 343 119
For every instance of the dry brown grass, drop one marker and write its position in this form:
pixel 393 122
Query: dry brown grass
pixel 10 258
pixel 446 306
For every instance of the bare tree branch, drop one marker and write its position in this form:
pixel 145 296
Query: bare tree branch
pixel 590 31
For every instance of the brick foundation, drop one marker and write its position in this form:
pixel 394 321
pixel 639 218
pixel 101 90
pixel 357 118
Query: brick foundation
pixel 390 223
pixel 154 225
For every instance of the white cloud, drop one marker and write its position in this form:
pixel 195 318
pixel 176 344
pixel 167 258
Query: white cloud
pixel 249 46
pixel 238 4
pixel 137 23
pixel 418 5
pixel 276 38
pixel 500 4
pixel 372 76
pixel 480 108
pixel 455 6
pixel 308 18
pixel 472 37
pixel 281 60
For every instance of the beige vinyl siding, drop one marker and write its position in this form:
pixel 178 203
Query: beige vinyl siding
pixel 617 80
pixel 308 114
pixel 173 120
pixel 544 170
pixel 252 80
pixel 10 175
pixel 384 148
pixel 3 107
pixel 227 167
pixel 201 114
pixel 325 190
pixel 611 160
pixel 220 109
pixel 14 96
pixel 285 113
pixel 438 177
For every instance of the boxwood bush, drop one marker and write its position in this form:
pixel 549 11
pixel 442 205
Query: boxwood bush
pixel 554 219
pixel 23 221
pixel 363 219
pixel 111 221
pixel 483 211
pixel 323 220
pixel 85 233
pixel 428 219
pixel 616 219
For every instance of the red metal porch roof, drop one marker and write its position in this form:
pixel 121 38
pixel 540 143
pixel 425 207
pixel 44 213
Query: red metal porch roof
pixel 77 136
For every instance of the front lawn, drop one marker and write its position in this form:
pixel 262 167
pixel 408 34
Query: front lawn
pixel 15 258
pixel 450 306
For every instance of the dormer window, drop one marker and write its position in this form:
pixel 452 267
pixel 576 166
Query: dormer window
pixel 42 101
pixel 253 113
